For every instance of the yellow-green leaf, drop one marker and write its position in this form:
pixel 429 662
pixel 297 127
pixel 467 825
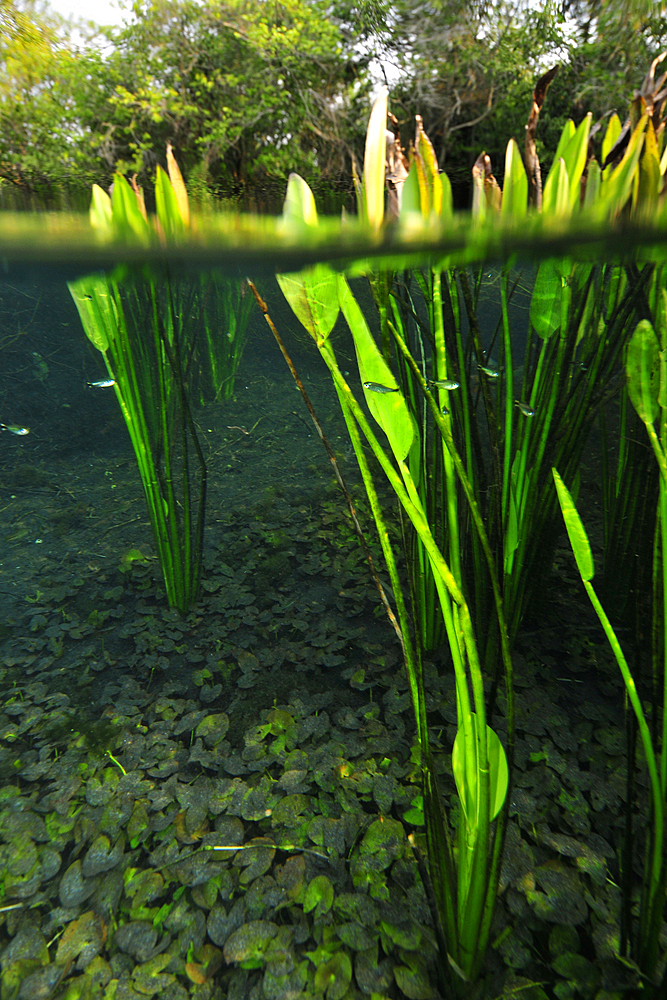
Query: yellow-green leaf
pixel 611 135
pixel 178 186
pixel 100 211
pixel 515 186
pixel 299 206
pixel 374 162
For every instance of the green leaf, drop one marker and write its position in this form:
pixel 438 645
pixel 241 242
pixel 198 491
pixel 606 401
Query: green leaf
pixel 642 369
pixel 556 196
pixel 545 302
pixel 389 409
pixel 319 896
pixel 374 162
pixel 616 188
pixel 128 220
pixel 430 185
pixel 167 207
pixel 575 530
pixel 611 135
pixel 250 941
pixel 313 296
pixel 410 196
pixel 566 136
pixel 96 305
pixel 467 779
pixel 515 186
pixel 593 182
pixel 650 180
pixel 574 155
pixel 334 976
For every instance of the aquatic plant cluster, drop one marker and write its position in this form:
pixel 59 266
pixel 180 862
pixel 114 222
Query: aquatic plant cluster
pixel 477 442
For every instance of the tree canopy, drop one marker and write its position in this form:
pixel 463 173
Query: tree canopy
pixel 249 90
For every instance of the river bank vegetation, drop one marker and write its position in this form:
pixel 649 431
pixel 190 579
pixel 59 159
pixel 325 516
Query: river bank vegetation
pixel 247 91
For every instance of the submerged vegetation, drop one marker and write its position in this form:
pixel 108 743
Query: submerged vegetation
pixel 459 426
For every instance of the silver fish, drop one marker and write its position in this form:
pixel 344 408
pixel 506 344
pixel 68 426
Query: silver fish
pixel 525 409
pixel 445 411
pixel 15 429
pixel 104 383
pixel 446 383
pixel 377 387
pixel 491 372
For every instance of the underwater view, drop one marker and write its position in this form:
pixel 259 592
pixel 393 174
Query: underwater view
pixel 332 648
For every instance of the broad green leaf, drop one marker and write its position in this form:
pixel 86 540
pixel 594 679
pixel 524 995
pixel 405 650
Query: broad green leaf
pixel 642 369
pixel 97 308
pixel 100 211
pixel 515 186
pixel 611 135
pixel 299 206
pixel 313 295
pixel 467 778
pixel 166 206
pixel 556 196
pixel 575 530
pixel 374 161
pixel 389 409
pixel 128 220
pixel 545 302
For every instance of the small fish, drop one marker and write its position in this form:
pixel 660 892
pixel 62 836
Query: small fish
pixel 491 372
pixel 377 387
pixel 15 429
pixel 525 409
pixel 104 383
pixel 445 411
pixel 447 383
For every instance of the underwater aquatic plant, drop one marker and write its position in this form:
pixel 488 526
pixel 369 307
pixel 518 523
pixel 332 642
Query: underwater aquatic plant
pixel 580 317
pixel 465 882
pixel 148 363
